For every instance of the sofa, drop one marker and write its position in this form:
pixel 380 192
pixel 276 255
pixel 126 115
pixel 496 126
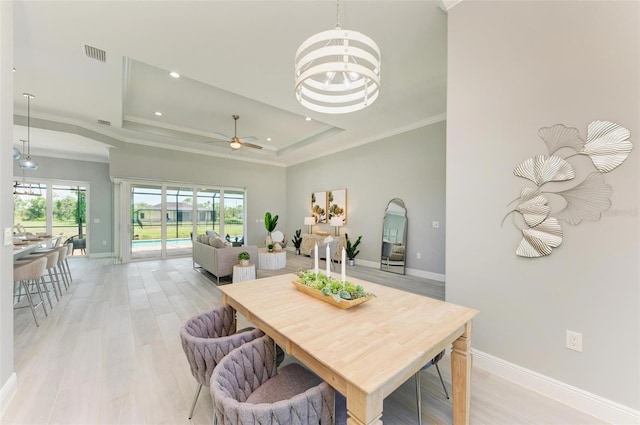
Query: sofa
pixel 217 256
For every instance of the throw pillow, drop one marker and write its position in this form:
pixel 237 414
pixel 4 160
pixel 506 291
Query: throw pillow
pixel 212 233
pixel 219 243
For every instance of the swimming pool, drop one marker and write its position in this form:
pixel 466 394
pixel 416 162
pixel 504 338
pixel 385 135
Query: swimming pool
pixel 155 243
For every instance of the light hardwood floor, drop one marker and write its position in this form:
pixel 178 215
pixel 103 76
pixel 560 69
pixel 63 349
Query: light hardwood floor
pixel 110 353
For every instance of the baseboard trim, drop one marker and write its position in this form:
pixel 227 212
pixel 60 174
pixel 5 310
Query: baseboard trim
pixel 426 275
pixel 102 255
pixel 411 272
pixel 7 392
pixel 592 404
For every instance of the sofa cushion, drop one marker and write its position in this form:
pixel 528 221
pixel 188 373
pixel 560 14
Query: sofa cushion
pixel 212 233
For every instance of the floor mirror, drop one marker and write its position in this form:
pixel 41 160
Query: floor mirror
pixel 394 237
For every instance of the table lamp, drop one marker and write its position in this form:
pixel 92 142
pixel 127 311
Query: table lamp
pixel 336 222
pixel 309 221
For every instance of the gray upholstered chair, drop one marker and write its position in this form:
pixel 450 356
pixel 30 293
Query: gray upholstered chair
pixel 432 362
pixel 207 338
pixel 246 390
pixel 25 271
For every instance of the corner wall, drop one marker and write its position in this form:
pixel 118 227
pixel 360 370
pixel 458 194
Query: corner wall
pixel 409 166
pixel 515 67
pixel 7 375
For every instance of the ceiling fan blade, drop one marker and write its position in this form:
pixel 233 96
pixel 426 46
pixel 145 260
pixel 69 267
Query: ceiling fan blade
pixel 249 139
pixel 223 137
pixel 250 145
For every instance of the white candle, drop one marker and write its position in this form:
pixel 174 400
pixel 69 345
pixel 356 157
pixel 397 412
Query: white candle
pixel 315 260
pixel 328 273
pixel 342 261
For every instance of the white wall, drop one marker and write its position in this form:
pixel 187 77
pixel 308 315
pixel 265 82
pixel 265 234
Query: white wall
pixel 515 67
pixel 409 166
pixel 6 208
pixel 266 184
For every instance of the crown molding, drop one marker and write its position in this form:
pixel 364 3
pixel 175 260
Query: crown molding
pixel 447 5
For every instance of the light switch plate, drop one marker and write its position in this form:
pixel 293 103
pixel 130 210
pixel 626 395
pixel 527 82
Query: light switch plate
pixel 8 236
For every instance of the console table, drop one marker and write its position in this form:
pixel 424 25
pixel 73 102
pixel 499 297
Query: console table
pixel 309 242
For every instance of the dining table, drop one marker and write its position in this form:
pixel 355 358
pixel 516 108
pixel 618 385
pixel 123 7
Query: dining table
pixel 23 247
pixel 367 351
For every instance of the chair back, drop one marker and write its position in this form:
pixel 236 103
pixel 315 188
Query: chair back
pixel 208 337
pixel 251 366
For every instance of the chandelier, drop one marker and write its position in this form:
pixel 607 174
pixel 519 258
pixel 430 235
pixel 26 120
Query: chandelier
pixel 337 71
pixel 27 163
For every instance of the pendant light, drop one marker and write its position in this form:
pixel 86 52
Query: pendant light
pixel 27 163
pixel 16 153
pixel 337 71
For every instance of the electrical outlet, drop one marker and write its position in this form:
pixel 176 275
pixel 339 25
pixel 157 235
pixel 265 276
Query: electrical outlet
pixel 435 224
pixel 574 341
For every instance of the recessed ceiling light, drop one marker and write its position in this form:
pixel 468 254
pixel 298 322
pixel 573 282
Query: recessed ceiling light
pixel 268 139
pixel 158 114
pixel 308 118
pixel 174 74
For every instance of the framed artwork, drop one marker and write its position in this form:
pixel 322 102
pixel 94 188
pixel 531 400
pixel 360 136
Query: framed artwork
pixel 337 204
pixel 319 206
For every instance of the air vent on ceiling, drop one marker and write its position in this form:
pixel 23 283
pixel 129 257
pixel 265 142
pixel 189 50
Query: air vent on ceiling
pixel 103 122
pixel 95 53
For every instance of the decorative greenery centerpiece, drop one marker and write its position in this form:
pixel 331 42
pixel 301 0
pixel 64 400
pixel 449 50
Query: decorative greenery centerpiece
pixel 244 258
pixel 270 247
pixel 270 223
pixel 297 240
pixel 334 288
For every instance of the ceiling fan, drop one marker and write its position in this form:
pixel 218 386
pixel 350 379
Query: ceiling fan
pixel 236 142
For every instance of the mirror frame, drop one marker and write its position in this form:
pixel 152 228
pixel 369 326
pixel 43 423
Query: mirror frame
pixel 398 268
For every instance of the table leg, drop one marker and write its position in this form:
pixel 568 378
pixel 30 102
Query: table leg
pixel 461 363
pixel 363 409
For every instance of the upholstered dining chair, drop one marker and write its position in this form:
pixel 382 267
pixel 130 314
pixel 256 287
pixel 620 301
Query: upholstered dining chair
pixel 432 362
pixel 246 390
pixel 207 338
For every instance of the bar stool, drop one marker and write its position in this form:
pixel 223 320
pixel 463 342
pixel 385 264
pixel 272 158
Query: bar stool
pixel 52 261
pixel 59 267
pixel 66 260
pixel 25 271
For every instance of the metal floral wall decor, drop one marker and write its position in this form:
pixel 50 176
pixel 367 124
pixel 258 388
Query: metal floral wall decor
pixel 607 146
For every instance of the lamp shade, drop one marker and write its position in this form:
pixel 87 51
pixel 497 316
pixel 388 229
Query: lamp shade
pixel 336 221
pixel 309 221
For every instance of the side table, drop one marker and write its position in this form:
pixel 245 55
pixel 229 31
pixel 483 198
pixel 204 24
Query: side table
pixel 244 273
pixel 271 260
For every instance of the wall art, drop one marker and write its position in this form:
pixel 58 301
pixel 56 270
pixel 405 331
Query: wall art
pixel 607 146
pixel 319 206
pixel 337 202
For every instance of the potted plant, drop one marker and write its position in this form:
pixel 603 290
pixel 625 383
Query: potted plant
pixel 351 249
pixel 297 240
pixel 270 247
pixel 244 258
pixel 270 223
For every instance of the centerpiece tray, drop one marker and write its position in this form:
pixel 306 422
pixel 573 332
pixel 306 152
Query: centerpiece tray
pixel 343 304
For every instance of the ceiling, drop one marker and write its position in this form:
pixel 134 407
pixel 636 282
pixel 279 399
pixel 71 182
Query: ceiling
pixel 234 57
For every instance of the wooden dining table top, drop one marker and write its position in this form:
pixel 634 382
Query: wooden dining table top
pixel 374 346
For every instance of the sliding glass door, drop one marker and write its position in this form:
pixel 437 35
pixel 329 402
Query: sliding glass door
pixel 51 207
pixel 179 220
pixel 163 217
